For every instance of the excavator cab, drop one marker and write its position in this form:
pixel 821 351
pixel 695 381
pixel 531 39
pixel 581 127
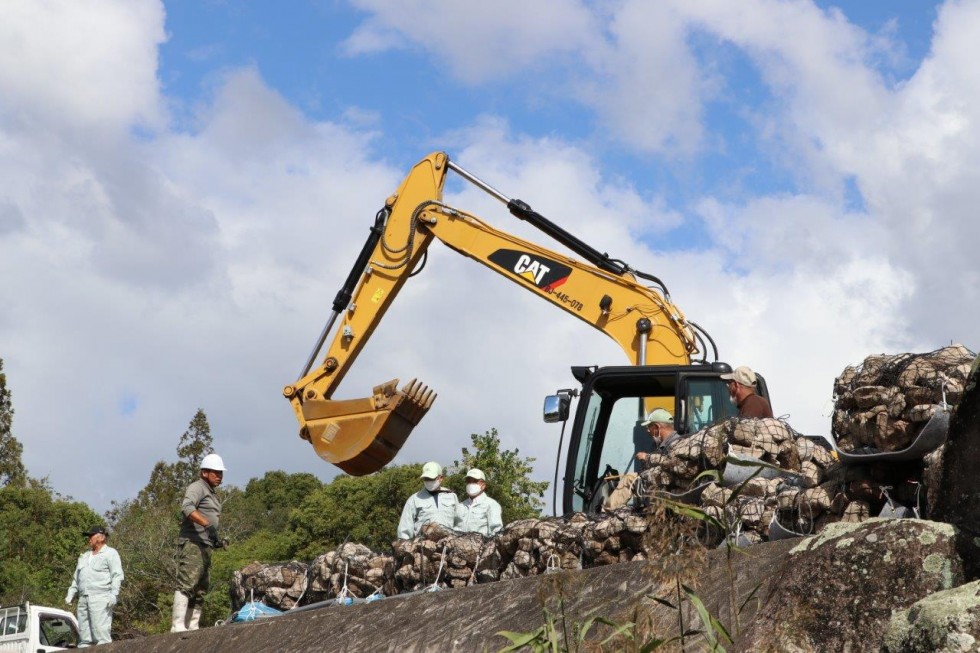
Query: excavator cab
pixel 606 431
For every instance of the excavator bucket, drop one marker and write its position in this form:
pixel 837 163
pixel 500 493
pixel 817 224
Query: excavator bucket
pixel 363 435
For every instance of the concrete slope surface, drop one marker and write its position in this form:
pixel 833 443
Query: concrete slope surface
pixel 468 619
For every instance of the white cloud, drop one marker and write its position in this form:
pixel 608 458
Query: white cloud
pixel 645 84
pixel 476 42
pixel 151 277
pixel 83 65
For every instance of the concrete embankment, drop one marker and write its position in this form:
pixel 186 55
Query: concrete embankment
pixel 468 619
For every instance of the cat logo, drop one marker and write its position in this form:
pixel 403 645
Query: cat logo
pixel 538 271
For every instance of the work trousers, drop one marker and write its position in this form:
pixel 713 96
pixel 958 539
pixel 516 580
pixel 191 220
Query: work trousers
pixel 193 569
pixel 94 619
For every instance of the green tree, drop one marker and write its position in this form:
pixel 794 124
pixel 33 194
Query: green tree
pixel 146 537
pixel 366 509
pixel 362 509
pixel 266 503
pixel 168 480
pixel 12 471
pixel 42 537
pixel 195 443
pixel 145 534
pixel 508 476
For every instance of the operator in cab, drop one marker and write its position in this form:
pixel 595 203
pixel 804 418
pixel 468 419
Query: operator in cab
pixel 741 390
pixel 433 503
pixel 660 425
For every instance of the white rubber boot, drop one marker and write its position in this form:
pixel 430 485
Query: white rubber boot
pixel 195 617
pixel 179 617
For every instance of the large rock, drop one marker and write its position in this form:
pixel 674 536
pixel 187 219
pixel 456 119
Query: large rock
pixel 837 590
pixel 957 499
pixel 944 622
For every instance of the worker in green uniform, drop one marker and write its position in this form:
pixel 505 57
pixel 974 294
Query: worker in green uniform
pixel 478 513
pixel 433 503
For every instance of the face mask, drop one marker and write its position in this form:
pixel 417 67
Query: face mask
pixel 473 489
pixel 431 486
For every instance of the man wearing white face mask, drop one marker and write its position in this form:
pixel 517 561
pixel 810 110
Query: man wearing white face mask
pixel 432 503
pixel 478 513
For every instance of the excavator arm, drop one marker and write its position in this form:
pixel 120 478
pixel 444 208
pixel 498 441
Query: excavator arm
pixel 362 435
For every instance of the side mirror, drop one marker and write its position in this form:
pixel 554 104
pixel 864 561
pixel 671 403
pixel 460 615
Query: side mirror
pixel 556 407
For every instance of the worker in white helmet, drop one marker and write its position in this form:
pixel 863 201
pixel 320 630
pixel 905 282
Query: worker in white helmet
pixel 198 538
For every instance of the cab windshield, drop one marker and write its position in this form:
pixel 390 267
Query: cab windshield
pixel 612 431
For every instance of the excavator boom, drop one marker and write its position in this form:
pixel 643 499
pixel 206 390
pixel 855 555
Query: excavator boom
pixel 363 435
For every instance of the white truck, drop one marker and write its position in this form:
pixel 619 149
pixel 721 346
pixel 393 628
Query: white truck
pixel 30 628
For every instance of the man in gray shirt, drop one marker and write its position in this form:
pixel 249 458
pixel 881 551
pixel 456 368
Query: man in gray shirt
pixel 96 581
pixel 198 537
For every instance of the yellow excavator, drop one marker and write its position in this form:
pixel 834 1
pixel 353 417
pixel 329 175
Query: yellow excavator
pixel 361 436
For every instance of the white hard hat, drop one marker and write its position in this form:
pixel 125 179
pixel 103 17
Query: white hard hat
pixel 213 461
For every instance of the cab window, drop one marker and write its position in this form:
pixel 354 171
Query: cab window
pixel 12 621
pixel 707 402
pixel 56 631
pixel 612 436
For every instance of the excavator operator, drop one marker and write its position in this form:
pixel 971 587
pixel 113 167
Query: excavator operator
pixel 660 425
pixel 741 389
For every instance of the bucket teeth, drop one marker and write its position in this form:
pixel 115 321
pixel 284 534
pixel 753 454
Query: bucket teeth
pixel 418 399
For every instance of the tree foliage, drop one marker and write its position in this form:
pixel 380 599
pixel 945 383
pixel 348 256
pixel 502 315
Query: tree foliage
pixel 366 509
pixel 266 503
pixel 508 476
pixel 146 538
pixel 362 509
pixel 168 480
pixel 42 538
pixel 195 443
pixel 145 534
pixel 12 471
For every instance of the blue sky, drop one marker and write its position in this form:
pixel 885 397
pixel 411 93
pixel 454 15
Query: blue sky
pixel 184 185
pixel 300 52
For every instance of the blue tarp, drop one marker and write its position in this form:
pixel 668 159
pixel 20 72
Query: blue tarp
pixel 254 610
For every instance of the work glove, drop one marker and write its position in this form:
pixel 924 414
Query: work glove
pixel 112 602
pixel 212 533
pixel 68 598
